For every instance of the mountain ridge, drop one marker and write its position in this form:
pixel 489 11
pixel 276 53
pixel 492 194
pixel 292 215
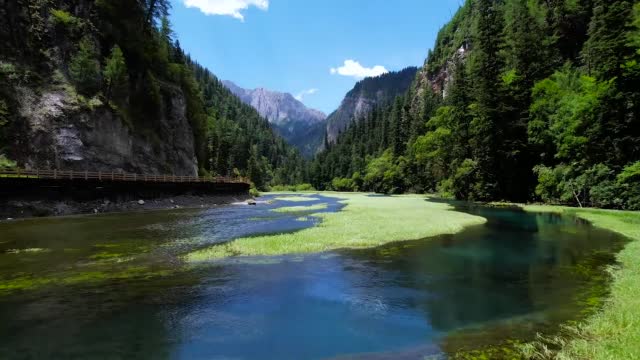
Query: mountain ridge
pixel 300 126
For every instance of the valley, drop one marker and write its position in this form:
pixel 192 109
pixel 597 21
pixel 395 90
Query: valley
pixel 470 188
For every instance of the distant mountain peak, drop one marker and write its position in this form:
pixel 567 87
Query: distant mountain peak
pixel 300 126
pixel 277 107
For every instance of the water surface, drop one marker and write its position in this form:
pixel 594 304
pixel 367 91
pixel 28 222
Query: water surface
pixel 114 287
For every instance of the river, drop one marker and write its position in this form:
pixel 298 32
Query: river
pixel 114 286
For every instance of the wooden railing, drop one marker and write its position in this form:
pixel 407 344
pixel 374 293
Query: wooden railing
pixel 117 176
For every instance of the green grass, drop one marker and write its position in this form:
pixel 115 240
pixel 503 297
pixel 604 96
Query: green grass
pixel 293 209
pixel 14 176
pixel 30 250
pixel 364 222
pixel 296 198
pixel 614 332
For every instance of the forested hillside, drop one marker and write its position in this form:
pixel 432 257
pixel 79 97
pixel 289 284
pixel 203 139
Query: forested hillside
pixel 519 100
pixel 239 138
pixel 103 85
pixel 365 96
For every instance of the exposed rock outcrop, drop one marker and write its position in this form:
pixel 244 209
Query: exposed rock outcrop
pixel 300 126
pixel 438 80
pixel 60 132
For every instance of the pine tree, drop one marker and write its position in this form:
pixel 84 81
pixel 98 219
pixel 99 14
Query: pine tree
pixel 605 50
pixel 526 59
pixel 486 132
pixel 156 9
pixel 84 68
pixel 115 74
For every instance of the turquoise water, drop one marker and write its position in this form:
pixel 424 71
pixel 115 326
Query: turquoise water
pixel 114 287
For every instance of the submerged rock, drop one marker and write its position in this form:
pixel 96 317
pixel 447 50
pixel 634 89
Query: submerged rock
pixel 140 202
pixel 252 202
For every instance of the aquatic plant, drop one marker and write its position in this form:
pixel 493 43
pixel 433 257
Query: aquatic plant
pixel 364 222
pixel 296 198
pixel 613 332
pixel 294 209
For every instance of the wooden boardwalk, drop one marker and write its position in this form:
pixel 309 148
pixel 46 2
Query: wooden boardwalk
pixel 117 177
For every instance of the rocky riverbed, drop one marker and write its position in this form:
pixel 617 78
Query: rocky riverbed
pixel 14 209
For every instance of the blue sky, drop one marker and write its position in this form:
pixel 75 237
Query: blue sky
pixel 314 48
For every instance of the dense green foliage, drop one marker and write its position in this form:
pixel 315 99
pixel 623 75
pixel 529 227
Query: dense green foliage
pixel 122 53
pixel 540 102
pixel 367 94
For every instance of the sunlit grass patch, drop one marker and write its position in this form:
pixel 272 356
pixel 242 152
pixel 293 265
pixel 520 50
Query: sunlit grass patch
pixel 614 331
pixel 27 251
pixel 293 209
pixel 74 277
pixel 364 222
pixel 296 198
pixel 106 255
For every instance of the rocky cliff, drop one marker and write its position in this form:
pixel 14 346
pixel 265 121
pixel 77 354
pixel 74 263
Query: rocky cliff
pixel 79 92
pixel 60 132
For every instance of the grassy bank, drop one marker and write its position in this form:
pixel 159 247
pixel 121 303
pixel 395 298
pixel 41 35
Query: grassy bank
pixel 364 222
pixel 292 209
pixel 614 332
pixel 301 198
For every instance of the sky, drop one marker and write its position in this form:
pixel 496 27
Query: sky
pixel 314 49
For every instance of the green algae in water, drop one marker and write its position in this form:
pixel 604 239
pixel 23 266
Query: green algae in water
pixel 27 251
pixel 296 198
pixel 8 286
pixel 294 209
pixel 521 283
pixel 553 328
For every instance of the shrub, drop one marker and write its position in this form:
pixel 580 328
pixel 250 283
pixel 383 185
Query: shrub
pixel 61 17
pixel 115 74
pixel 292 188
pixel 342 184
pixel 629 184
pixel 304 187
pixel 446 189
pixel 253 191
pixel 464 179
pixel 9 71
pixel 85 68
pixel 6 164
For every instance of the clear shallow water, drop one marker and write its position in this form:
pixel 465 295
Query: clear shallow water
pixel 114 287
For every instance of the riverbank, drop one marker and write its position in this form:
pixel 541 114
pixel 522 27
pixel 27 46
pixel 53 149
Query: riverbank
pixel 366 221
pixel 614 332
pixel 16 209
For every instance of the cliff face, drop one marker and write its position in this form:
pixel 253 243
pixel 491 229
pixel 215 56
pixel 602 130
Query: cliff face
pixel 367 94
pixel 437 80
pixel 50 119
pixel 277 107
pixel 58 132
pixel 453 46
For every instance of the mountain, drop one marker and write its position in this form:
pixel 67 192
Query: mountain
pixel 298 125
pixel 367 94
pixel 102 86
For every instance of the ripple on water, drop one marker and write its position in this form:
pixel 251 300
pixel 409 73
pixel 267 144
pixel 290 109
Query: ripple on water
pixel 519 274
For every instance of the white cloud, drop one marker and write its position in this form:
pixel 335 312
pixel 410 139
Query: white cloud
pixel 354 69
pixel 226 7
pixel 304 93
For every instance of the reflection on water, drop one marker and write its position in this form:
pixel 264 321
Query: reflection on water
pixel 521 272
